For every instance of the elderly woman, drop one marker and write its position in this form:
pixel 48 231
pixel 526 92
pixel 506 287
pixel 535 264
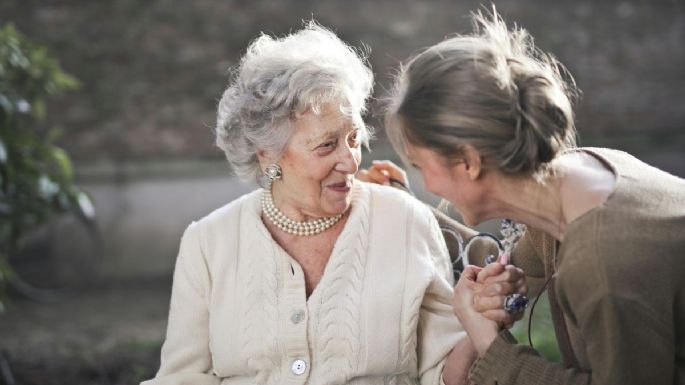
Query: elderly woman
pixel 487 120
pixel 317 278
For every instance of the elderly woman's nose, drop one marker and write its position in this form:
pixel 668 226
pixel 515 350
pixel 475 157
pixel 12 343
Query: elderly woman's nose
pixel 348 162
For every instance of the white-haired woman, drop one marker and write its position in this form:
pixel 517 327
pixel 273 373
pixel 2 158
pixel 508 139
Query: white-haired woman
pixel 316 278
pixel 487 119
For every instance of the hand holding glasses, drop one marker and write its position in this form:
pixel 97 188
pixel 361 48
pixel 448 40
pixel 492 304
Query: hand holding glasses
pixel 502 297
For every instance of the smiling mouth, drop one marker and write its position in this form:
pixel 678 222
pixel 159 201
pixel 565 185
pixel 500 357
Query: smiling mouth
pixel 340 187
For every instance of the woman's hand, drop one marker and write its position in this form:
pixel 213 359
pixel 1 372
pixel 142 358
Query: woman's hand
pixel 499 281
pixel 381 171
pixel 480 329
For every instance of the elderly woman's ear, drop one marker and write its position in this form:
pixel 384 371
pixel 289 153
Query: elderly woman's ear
pixel 264 159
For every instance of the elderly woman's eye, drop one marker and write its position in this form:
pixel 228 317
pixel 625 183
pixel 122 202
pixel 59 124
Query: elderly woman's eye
pixel 326 146
pixel 354 138
pixel 416 166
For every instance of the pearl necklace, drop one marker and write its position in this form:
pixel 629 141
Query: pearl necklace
pixel 286 224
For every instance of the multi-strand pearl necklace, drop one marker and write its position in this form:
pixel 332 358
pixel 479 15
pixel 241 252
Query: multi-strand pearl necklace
pixel 286 224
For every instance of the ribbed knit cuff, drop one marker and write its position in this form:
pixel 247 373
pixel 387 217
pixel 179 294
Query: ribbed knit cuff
pixel 494 364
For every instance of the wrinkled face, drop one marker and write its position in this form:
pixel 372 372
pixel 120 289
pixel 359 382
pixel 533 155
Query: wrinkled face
pixel 450 181
pixel 319 164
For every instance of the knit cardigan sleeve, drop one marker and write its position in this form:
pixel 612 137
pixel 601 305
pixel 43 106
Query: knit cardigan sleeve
pixel 438 329
pixel 186 357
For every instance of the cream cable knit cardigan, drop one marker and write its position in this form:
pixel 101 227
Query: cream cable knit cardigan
pixel 381 313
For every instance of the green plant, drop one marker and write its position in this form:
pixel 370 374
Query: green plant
pixel 36 176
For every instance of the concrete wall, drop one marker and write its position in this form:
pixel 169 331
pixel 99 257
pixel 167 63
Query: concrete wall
pixel 141 218
pixel 143 209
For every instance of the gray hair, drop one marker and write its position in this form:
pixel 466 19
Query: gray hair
pixel 493 90
pixel 280 77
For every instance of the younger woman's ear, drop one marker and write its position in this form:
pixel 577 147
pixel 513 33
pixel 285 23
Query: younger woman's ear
pixel 473 162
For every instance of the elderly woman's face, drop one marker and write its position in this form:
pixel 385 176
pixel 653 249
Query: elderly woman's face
pixel 319 163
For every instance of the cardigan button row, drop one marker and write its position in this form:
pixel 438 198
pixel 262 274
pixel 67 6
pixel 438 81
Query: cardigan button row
pixel 297 317
pixel 298 367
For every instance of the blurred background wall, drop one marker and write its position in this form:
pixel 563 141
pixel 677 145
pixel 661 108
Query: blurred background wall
pixel 140 127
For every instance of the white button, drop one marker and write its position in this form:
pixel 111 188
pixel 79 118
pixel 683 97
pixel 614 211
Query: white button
pixel 298 367
pixel 297 316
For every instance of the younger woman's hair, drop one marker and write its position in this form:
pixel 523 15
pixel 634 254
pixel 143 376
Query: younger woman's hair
pixel 493 90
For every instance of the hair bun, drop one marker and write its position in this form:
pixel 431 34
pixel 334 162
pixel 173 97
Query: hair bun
pixel 542 114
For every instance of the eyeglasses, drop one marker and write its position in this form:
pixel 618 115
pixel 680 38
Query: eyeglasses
pixel 461 260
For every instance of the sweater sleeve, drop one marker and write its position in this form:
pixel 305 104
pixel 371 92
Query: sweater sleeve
pixel 628 340
pixel 506 363
pixel 438 329
pixel 626 344
pixel 186 356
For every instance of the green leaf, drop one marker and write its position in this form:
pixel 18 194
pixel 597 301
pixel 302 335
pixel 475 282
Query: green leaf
pixel 64 163
pixel 65 81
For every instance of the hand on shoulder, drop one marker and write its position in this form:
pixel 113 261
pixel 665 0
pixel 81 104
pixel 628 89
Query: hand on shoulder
pixel 385 172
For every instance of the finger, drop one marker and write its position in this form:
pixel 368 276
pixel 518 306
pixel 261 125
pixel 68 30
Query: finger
pixel 504 288
pixel 518 316
pixel 380 169
pixel 374 176
pixel 363 175
pixel 393 170
pixel 498 289
pixel 510 273
pixel 521 287
pixel 504 259
pixel 378 175
pixel 490 270
pixel 509 325
pixel 484 303
pixel 464 289
pixel 470 273
pixel 500 316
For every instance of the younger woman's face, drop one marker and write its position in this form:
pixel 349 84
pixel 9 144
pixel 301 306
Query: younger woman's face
pixel 449 180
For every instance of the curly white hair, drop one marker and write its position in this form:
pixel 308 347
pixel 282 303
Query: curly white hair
pixel 278 78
